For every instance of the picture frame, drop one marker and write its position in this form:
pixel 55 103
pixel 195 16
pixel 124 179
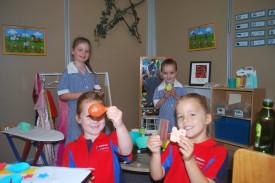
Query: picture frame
pixel 200 73
pixel 21 40
pixel 202 37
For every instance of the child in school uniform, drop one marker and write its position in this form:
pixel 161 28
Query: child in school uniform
pixel 195 157
pixel 165 100
pixel 96 150
pixel 77 78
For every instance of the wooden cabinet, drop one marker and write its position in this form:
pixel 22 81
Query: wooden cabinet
pixel 226 97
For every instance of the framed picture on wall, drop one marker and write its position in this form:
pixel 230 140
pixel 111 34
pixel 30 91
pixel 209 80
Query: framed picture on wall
pixel 20 40
pixel 202 38
pixel 200 72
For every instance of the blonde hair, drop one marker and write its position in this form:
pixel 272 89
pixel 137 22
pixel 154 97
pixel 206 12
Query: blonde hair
pixel 202 100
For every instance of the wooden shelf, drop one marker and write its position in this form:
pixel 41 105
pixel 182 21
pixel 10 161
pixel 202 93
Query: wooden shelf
pixel 254 96
pixel 229 116
pixel 231 143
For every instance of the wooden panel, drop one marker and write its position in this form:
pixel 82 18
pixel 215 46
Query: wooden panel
pixel 252 166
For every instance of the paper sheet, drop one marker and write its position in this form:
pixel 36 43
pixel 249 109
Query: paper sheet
pixel 234 98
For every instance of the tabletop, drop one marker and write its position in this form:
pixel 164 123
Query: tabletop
pixel 48 174
pixel 140 163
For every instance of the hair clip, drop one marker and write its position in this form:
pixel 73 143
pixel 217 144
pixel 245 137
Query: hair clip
pixel 170 58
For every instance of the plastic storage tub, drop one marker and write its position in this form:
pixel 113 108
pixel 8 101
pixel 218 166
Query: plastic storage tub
pixel 233 130
pixel 222 108
pixel 241 109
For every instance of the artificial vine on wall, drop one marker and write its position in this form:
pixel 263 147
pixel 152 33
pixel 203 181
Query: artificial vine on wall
pixel 105 24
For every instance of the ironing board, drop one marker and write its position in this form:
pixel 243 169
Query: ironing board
pixel 38 135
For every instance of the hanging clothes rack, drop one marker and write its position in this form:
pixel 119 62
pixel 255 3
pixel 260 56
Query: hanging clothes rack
pixel 50 84
pixel 54 84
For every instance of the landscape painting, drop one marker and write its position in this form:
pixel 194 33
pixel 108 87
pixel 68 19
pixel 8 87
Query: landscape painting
pixel 201 37
pixel 19 40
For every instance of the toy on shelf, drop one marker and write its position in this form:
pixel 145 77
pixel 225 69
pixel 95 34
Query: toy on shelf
pixel 248 77
pixel 97 110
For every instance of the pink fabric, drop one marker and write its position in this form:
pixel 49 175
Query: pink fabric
pixel 43 121
pixel 62 127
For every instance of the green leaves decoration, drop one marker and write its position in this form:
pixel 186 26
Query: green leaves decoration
pixel 105 24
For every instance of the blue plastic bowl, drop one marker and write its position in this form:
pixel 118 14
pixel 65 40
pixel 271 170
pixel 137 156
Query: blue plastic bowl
pixel 141 142
pixel 18 167
pixel 14 178
pixel 134 136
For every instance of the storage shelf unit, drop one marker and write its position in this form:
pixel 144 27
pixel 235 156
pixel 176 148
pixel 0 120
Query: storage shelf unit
pixel 254 96
pixel 149 122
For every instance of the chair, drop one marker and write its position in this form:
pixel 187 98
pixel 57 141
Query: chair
pixel 251 166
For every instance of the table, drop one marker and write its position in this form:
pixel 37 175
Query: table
pixel 38 135
pixel 137 171
pixel 52 174
pixel 136 166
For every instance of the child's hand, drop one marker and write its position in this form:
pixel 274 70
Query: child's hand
pixel 166 93
pixel 186 147
pixel 174 93
pixel 101 92
pixel 115 115
pixel 91 179
pixel 154 143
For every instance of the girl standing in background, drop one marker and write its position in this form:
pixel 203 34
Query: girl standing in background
pixel 77 78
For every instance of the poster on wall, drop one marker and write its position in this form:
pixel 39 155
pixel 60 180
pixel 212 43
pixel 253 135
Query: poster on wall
pixel 243 16
pixel 254 24
pixel 257 42
pixel 202 37
pixel 271 41
pixel 271 32
pixel 271 12
pixel 241 43
pixel 242 34
pixel 20 40
pixel 241 26
pixel 258 14
pixel 271 22
pixel 257 33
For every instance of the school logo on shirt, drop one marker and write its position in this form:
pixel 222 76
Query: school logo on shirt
pixel 200 162
pixel 103 147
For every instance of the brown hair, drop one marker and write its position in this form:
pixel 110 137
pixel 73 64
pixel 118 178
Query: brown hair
pixel 169 61
pixel 202 100
pixel 79 40
pixel 88 97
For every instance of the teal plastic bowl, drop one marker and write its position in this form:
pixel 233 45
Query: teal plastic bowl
pixel 14 178
pixel 134 136
pixel 141 142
